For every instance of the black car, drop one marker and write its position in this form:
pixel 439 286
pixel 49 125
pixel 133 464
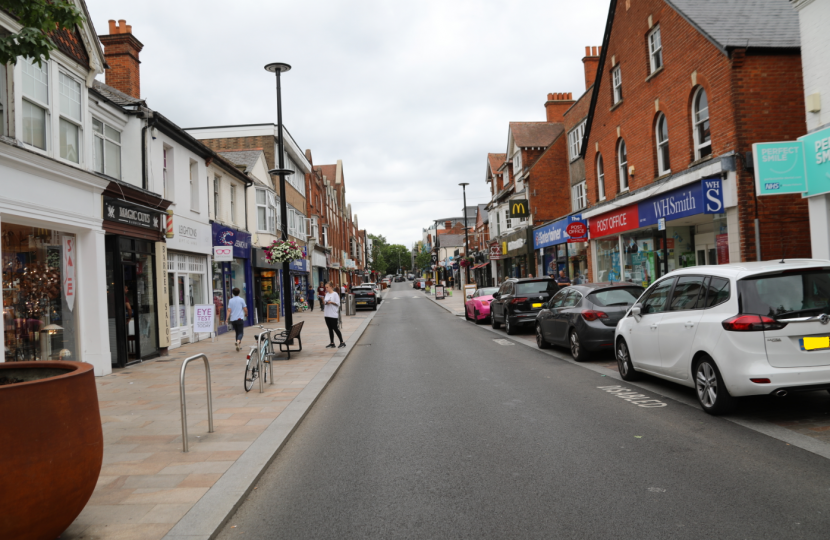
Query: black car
pixel 518 301
pixel 583 317
pixel 365 296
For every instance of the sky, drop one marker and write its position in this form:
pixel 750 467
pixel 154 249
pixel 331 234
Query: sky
pixel 412 96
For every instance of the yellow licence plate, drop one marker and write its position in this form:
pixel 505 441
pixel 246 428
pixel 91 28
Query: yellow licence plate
pixel 361 303
pixel 813 343
pixel 537 305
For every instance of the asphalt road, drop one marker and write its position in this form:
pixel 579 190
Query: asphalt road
pixel 434 430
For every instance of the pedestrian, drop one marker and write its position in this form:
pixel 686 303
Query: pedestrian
pixel 237 313
pixel 563 280
pixel 321 294
pixel 529 276
pixel 310 296
pixel 342 295
pixel 331 313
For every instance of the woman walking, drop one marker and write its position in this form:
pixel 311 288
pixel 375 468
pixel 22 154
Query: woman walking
pixel 331 313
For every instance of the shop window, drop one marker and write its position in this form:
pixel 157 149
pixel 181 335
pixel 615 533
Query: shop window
pixel 70 118
pixel 622 165
pixel 600 177
pixel 655 49
pixel 643 256
pixel 579 196
pixel 35 103
pixel 700 114
pixel 39 292
pixel 575 140
pixel 616 81
pixel 608 259
pixel 217 186
pixel 194 186
pixel 662 133
pixel 106 149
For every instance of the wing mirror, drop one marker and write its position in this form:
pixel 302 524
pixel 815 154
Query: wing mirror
pixel 546 306
pixel 469 297
pixel 636 311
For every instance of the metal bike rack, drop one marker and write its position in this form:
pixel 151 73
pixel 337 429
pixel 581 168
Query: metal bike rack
pixel 262 360
pixel 184 405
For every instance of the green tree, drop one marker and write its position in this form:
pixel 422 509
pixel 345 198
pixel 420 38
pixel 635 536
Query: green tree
pixel 379 262
pixel 394 255
pixel 39 18
pixel 423 260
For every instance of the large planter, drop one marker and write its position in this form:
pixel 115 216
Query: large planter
pixel 51 447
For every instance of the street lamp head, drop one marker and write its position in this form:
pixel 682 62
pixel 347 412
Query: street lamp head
pixel 464 184
pixel 281 172
pixel 277 67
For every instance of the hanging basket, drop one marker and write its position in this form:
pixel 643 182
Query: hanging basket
pixel 282 251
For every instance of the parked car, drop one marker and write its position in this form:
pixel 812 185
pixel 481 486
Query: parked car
pixel 378 291
pixel 477 305
pixel 732 330
pixel 399 279
pixel 419 283
pixel 584 317
pixel 518 301
pixel 366 296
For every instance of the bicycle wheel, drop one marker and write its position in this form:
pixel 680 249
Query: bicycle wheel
pixel 251 370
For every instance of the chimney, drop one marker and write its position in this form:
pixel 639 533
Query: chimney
pixel 121 50
pixel 591 63
pixel 557 104
pixel 448 224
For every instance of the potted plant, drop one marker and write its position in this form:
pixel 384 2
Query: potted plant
pixel 51 446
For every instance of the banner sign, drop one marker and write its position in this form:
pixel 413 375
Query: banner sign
pixel 222 253
pixel 779 168
pixel 519 208
pixel 133 214
pixel 69 270
pixel 238 240
pixel 203 318
pixel 705 197
pixel 622 220
pixel 495 252
pixel 817 162
pixel 557 233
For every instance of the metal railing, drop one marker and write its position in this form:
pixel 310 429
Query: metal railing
pixel 184 405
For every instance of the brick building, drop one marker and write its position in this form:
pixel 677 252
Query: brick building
pixel 683 89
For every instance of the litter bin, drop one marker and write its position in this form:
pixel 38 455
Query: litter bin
pixel 350 305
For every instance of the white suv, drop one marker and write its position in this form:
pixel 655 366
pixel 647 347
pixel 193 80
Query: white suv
pixel 732 330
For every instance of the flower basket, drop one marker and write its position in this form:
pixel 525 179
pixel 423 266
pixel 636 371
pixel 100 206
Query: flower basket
pixel 282 251
pixel 465 262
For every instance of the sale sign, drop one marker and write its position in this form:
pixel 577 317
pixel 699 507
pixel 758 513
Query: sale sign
pixel 203 318
pixel 68 257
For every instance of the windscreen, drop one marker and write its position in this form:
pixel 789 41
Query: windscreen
pixel 536 287
pixel 488 291
pixel 801 293
pixel 620 296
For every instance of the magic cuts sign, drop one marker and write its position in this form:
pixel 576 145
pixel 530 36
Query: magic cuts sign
pixel 131 214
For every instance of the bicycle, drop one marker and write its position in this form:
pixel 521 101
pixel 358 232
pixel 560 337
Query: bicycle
pixel 259 355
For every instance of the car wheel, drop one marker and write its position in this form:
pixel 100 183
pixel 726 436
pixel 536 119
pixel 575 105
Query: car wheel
pixel 375 307
pixel 627 371
pixel 541 342
pixel 509 328
pixel 476 318
pixel 577 350
pixel 712 394
pixel 466 313
pixel 493 322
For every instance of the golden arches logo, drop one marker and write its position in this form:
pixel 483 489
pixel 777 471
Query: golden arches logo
pixel 518 208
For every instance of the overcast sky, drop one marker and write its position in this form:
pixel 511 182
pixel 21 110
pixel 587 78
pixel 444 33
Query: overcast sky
pixel 410 95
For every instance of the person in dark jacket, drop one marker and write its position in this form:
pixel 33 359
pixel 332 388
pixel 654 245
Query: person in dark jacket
pixel 309 296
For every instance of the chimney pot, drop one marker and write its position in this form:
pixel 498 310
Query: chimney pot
pixel 112 27
pixel 121 50
pixel 557 104
pixel 587 51
pixel 122 26
pixel 129 29
pixel 591 64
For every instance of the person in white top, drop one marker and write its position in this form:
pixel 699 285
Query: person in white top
pixel 331 313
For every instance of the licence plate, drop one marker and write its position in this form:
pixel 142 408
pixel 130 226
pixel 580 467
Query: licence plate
pixel 815 343
pixel 361 303
pixel 537 305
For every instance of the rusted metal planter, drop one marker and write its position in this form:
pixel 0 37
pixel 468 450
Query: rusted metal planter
pixel 51 447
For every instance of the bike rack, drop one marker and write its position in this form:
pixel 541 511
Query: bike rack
pixel 262 360
pixel 184 405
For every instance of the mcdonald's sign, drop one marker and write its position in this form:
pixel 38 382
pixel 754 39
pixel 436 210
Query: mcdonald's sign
pixel 519 208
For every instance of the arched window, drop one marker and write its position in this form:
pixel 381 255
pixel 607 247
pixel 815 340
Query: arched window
pixel 600 178
pixel 662 133
pixel 700 116
pixel 622 165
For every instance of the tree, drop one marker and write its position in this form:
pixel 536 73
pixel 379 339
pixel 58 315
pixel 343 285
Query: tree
pixel 39 18
pixel 423 260
pixel 395 254
pixel 379 262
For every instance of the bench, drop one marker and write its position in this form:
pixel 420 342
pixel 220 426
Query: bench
pixel 286 338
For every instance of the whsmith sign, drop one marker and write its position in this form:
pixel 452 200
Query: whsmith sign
pixel 519 208
pixel 131 214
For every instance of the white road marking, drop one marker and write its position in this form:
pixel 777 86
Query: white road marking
pixel 504 342
pixel 632 396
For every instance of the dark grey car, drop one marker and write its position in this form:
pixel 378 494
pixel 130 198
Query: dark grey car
pixel 583 317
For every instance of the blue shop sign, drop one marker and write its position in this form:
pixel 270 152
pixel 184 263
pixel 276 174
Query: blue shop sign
pixel 227 236
pixel 554 233
pixel 299 265
pixel 705 197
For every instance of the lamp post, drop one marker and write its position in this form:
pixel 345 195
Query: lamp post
pixel 466 237
pixel 278 68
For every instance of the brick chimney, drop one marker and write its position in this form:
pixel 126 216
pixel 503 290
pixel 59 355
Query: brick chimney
pixel 121 50
pixel 448 224
pixel 557 104
pixel 591 63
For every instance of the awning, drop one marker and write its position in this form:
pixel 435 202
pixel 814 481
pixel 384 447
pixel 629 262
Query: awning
pixel 482 265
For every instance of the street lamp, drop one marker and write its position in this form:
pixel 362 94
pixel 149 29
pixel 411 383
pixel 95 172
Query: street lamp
pixel 466 237
pixel 288 294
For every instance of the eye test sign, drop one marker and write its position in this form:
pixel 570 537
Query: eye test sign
pixel 203 318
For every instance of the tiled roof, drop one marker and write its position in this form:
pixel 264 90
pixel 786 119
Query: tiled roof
pixel 540 134
pixel 496 161
pixel 116 96
pixel 71 44
pixel 329 171
pixel 247 157
pixel 743 23
pixel 450 240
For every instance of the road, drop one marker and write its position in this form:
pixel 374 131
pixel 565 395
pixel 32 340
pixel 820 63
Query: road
pixel 432 429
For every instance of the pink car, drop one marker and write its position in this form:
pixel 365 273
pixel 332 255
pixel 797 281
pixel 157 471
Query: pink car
pixel 477 306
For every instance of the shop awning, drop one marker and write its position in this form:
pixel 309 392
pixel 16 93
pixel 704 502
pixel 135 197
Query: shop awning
pixel 482 265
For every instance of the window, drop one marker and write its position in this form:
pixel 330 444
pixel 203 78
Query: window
pixel 655 49
pixel 575 140
pixel 616 81
pixel 217 183
pixel 686 292
pixel 600 177
pixel 655 302
pixel 194 186
pixel 325 235
pixel 507 223
pixel 717 291
pixel 517 163
pixel 166 177
pixel 663 163
pixel 579 197
pixel 797 293
pixel 266 209
pixel 297 178
pixel 70 118
pixel 233 203
pixel 622 157
pixel 106 149
pixel 35 103
pixel 315 229
pixel 700 114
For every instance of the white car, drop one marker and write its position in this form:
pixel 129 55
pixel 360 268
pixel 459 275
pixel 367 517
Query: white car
pixel 377 290
pixel 732 330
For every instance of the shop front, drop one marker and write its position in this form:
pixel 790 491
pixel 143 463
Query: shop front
pixel 319 271
pixel 235 273
pixel 133 233
pixel 641 242
pixel 298 270
pixel 557 251
pixel 267 284
pixel 517 255
pixel 187 277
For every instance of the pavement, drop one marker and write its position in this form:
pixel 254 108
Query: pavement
pixel 148 488
pixel 419 437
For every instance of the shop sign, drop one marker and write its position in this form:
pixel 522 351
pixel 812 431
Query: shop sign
pixel 557 233
pixel 189 235
pixel 238 240
pixel 576 230
pixel 519 208
pixel 516 244
pixel 203 318
pixel 222 253
pixel 622 220
pixel 132 214
pixel 705 197
pixel 69 270
pixel 779 168
pixel 722 245
pixel 162 295
pixel 495 252
pixel 817 160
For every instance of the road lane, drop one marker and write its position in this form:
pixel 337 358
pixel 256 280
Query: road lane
pixel 433 430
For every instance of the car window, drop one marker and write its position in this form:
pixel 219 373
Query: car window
pixel 618 296
pixel 572 299
pixel 657 298
pixel 559 298
pixel 686 293
pixel 504 288
pixel 487 291
pixel 717 291
pixel 536 287
pixel 803 293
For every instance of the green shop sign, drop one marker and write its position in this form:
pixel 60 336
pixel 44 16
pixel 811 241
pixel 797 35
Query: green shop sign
pixel 817 157
pixel 779 168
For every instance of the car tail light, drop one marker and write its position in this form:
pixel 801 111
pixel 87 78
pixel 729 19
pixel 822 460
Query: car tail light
pixel 591 315
pixel 761 381
pixel 751 323
pixel 518 300
pixel 370 293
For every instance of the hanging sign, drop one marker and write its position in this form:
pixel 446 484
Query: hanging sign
pixel 817 161
pixel 223 253
pixel 495 252
pixel 519 208
pixel 576 229
pixel 69 270
pixel 133 214
pixel 203 318
pixel 779 168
